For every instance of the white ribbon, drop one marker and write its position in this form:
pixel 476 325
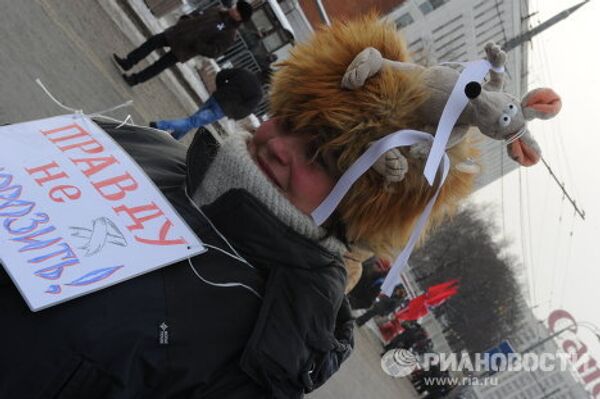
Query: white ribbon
pixel 475 71
pixel 393 277
pixel 401 138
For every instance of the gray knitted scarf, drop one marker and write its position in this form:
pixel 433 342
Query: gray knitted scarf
pixel 234 168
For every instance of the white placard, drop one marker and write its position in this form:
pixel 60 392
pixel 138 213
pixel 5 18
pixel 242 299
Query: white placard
pixel 77 214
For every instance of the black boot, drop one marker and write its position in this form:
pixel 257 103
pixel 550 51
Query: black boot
pixel 122 63
pixel 130 79
pixel 360 320
pixel 152 124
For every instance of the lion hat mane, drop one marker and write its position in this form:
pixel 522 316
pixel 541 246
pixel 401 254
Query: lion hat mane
pixel 306 93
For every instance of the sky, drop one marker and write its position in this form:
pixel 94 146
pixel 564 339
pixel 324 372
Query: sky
pixel 559 252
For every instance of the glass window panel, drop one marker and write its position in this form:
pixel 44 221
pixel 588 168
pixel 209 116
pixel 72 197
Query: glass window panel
pixel 404 20
pixel 426 8
pixel 273 41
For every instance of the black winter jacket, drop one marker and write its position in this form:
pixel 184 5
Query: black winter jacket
pixel 238 92
pixel 208 33
pixel 169 334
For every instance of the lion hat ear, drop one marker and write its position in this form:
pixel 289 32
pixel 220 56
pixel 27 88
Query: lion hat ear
pixel 307 93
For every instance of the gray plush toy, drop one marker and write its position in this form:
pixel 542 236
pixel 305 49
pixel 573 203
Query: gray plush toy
pixel 495 113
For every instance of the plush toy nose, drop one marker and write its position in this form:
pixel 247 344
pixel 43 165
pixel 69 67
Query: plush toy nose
pixel 472 90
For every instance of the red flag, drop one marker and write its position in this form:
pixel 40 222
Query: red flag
pixel 441 297
pixel 435 295
pixel 435 289
pixel 415 310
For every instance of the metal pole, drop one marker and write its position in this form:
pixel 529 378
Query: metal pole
pixel 323 12
pixel 562 187
pixel 527 35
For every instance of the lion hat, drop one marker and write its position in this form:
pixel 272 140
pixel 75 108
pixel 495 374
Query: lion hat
pixel 307 94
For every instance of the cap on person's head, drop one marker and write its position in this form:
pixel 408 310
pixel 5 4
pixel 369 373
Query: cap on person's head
pixel 343 123
pixel 245 10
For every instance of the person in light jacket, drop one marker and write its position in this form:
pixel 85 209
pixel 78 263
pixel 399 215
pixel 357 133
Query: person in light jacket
pixel 238 93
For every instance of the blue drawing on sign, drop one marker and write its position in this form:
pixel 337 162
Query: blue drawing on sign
pixel 54 289
pixel 95 276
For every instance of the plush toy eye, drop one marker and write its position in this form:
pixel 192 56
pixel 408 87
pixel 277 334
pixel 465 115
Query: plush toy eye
pixel 504 120
pixel 511 109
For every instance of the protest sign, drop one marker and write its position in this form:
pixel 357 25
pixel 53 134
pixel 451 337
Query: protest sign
pixel 77 214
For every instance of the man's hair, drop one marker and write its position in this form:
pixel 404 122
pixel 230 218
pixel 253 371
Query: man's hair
pixel 245 10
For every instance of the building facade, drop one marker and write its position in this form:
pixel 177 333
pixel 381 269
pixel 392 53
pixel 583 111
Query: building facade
pixel 556 384
pixel 343 9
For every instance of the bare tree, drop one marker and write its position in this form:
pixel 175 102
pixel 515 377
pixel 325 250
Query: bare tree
pixel 489 301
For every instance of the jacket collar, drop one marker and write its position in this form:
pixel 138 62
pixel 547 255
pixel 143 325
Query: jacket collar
pixel 263 239
pixel 200 155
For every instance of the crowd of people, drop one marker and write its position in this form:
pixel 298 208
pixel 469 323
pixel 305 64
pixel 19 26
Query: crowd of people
pixel 430 383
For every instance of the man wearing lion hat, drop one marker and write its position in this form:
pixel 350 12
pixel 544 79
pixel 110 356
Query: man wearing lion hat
pixel 263 313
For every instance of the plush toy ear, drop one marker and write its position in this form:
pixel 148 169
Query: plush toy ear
pixel 541 104
pixel 366 64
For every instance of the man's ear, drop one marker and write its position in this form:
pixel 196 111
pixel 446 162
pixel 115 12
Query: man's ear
pixel 541 103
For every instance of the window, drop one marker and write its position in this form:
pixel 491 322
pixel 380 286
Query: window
pixel 426 8
pixel 430 5
pixel 273 41
pixel 404 20
pixel 286 6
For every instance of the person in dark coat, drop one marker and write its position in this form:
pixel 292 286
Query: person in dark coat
pixel 422 346
pixel 238 92
pixel 262 313
pixel 368 287
pixel 413 332
pixel 261 316
pixel 208 33
pixel 384 305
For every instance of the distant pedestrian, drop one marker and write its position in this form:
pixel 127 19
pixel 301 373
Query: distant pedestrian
pixel 368 287
pixel 422 346
pixel 208 33
pixel 384 305
pixel 413 333
pixel 238 93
